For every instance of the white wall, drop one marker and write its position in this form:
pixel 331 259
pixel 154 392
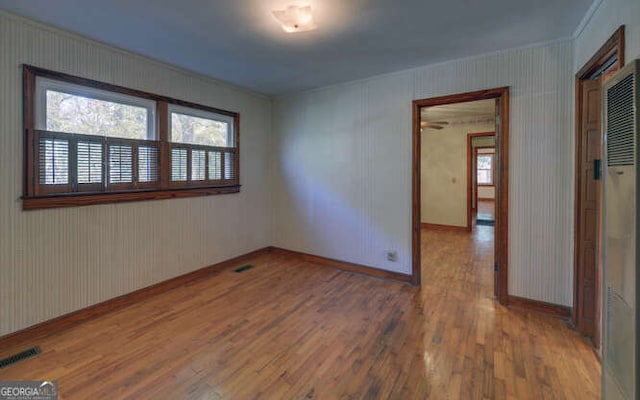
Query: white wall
pixel 609 15
pixel 56 261
pixel 486 192
pixel 444 171
pixel 342 167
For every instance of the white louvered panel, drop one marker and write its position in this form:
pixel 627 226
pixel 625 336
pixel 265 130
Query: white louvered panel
pixel 120 164
pixel 89 162
pixel 365 190
pixel 57 261
pixel 215 165
pixel 53 155
pixel 179 164
pixel 198 165
pixel 229 166
pixel 147 164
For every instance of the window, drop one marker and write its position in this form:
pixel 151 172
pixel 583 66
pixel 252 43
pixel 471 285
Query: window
pixel 90 142
pixel 485 169
pixel 202 145
pixel 70 108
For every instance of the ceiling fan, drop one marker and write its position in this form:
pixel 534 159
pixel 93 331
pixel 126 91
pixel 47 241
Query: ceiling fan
pixel 433 124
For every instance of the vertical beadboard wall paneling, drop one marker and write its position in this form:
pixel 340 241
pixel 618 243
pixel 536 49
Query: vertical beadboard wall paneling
pixel 609 15
pixel 378 206
pixel 53 262
pixel 335 149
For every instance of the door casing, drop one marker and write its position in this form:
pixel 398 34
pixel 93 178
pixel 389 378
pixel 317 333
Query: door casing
pixel 502 199
pixel 614 46
pixel 471 170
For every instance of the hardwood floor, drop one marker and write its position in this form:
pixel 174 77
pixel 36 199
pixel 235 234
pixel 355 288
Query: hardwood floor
pixel 484 213
pixel 486 209
pixel 288 329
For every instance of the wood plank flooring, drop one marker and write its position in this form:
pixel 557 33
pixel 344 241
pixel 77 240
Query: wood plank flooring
pixel 288 329
pixel 486 210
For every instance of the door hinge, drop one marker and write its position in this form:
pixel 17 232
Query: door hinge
pixel 495 266
pixel 597 169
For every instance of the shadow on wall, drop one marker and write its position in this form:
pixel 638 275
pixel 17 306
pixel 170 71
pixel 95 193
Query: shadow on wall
pixel 320 219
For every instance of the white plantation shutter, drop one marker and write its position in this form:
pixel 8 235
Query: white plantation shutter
pixel 179 164
pixel 89 161
pixel 203 165
pixel 120 164
pixel 230 166
pixel 198 165
pixel 215 165
pixel 53 161
pixel 148 164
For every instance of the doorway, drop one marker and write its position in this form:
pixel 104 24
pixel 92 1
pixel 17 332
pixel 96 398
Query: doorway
pixel 587 294
pixel 481 178
pixel 500 96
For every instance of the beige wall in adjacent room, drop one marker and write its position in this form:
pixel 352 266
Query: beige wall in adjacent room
pixel 444 171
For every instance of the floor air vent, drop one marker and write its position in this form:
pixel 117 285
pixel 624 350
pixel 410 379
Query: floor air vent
pixel 5 362
pixel 242 269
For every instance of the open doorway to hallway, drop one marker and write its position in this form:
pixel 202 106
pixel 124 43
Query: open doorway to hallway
pixel 457 168
pixel 446 173
pixel 458 161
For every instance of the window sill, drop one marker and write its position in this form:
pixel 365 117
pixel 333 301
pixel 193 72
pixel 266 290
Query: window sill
pixel 75 200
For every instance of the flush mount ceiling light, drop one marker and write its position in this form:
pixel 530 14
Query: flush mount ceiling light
pixel 295 19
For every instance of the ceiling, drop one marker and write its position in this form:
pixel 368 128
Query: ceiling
pixel 238 41
pixel 471 109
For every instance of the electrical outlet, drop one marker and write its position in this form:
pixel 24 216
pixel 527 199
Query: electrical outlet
pixel 392 255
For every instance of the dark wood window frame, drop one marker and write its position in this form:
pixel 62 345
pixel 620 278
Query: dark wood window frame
pixel 37 195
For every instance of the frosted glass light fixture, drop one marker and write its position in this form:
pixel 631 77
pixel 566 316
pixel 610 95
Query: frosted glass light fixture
pixel 295 19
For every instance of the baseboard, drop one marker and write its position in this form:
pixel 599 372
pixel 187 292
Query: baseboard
pixel 96 310
pixel 343 265
pixel 438 227
pixel 540 306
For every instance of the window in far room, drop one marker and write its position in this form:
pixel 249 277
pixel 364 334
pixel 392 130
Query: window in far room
pixel 485 169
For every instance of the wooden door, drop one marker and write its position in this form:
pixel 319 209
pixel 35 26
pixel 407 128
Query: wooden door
pixel 589 207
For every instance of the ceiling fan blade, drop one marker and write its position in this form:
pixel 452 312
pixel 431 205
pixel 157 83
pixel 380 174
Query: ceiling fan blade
pixel 433 123
pixel 433 127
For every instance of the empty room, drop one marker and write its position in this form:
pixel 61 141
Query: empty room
pixel 319 199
